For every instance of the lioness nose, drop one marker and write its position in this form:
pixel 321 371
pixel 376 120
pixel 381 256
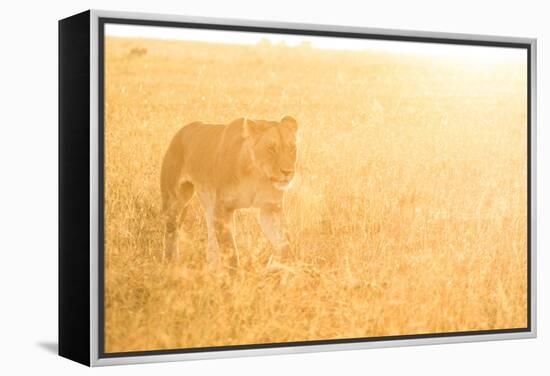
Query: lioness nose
pixel 286 172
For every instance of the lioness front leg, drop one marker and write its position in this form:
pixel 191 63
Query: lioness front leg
pixel 223 225
pixel 273 224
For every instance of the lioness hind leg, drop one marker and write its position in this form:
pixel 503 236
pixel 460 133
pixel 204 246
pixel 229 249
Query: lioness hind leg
pixel 175 210
pixel 212 251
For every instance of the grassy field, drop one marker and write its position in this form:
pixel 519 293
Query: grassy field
pixel 408 212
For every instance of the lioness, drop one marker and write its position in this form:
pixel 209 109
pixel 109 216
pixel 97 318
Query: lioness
pixel 243 164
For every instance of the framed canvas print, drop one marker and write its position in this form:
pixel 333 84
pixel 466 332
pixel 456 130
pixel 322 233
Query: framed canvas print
pixel 234 188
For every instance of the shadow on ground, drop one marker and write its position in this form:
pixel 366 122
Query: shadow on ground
pixel 50 347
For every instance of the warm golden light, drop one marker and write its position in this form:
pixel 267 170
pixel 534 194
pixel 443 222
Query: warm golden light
pixel 407 214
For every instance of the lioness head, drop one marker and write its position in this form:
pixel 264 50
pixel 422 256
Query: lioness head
pixel 273 148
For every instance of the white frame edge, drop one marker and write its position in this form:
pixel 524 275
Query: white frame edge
pixel 94 198
pixel 94 189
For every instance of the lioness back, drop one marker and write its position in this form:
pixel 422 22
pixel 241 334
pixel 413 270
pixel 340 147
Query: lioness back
pixel 201 153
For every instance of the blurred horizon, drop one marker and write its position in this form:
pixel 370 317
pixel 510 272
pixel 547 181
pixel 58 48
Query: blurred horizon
pixel 485 53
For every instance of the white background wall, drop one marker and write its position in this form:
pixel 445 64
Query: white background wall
pixel 28 197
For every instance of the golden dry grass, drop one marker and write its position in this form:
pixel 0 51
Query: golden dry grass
pixel 408 212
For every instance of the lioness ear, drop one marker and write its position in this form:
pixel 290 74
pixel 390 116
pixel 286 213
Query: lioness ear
pixel 290 122
pixel 248 128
